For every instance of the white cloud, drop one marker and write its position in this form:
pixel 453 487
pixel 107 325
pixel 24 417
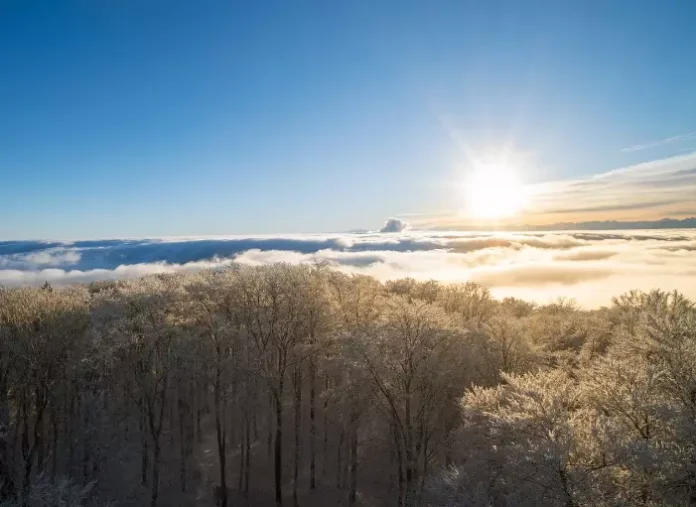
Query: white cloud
pixel 395 225
pixel 66 277
pixel 54 256
pixel 588 266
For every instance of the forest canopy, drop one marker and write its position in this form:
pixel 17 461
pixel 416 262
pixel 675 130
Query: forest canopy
pixel 300 385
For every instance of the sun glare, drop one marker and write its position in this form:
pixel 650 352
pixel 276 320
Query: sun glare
pixel 493 192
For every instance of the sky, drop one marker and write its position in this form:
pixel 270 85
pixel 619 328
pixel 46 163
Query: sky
pixel 132 118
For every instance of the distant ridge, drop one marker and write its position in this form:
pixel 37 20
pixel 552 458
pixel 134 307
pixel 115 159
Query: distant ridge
pixel 605 225
pixel 664 223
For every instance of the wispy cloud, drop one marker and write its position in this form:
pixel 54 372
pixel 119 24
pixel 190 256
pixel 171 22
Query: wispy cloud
pixel 617 207
pixel 643 191
pixel 661 142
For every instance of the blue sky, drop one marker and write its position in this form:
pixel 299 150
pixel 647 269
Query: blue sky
pixel 155 118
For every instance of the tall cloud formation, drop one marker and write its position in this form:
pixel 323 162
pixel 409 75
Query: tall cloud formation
pixel 588 266
pixel 395 225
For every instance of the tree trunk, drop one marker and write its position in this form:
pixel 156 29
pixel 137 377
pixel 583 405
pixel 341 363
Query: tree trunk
pixel 54 443
pixel 172 422
pixel 278 454
pixel 39 431
pixel 125 420
pixel 247 460
pixel 242 450
pixel 71 432
pixel 424 471
pixel 202 395
pixel 231 442
pixel 271 430
pixel 221 437
pixel 183 443
pixel 86 443
pixel 7 486
pixel 199 433
pixel 569 501
pixel 339 460
pixel 407 434
pixel 155 473
pixel 7 476
pixel 312 424
pixel 155 422
pixel 298 423
pixel 325 427
pixel 410 479
pixel 352 496
pixel 28 458
pixel 400 465
pixel 144 452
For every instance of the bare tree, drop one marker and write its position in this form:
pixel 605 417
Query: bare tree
pixel 273 316
pixel 147 351
pixel 562 407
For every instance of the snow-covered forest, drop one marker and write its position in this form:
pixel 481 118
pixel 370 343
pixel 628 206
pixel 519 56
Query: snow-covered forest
pixel 299 385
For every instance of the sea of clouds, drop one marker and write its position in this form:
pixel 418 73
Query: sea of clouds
pixel 590 267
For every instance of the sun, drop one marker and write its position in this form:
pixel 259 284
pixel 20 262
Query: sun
pixel 493 192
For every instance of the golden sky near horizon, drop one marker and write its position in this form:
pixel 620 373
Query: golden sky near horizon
pixel 493 193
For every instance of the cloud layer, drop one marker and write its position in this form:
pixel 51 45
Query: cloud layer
pixel 588 266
